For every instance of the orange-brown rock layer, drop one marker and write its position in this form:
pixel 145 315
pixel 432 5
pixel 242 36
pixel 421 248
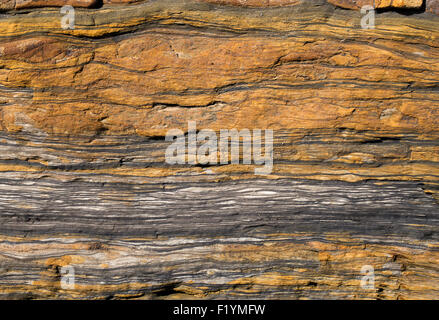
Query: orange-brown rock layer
pixel 255 3
pixel 84 181
pixel 356 4
pixel 22 4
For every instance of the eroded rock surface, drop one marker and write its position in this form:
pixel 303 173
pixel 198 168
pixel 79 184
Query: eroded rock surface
pixel 84 183
pixel 356 4
pixel 433 6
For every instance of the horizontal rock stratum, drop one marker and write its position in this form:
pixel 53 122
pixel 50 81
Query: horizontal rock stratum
pixel 356 4
pixel 84 182
pixel 431 5
pixel 21 4
pixel 26 4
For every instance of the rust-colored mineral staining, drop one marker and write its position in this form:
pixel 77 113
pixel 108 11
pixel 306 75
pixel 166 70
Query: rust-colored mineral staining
pixel 89 105
pixel 255 3
pixel 356 4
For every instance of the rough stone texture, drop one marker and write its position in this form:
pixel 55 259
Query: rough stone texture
pixel 256 3
pixel 432 6
pixel 27 4
pixel 356 4
pixel 22 4
pixel 84 182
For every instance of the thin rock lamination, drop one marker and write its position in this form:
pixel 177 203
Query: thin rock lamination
pixel 357 4
pixel 83 177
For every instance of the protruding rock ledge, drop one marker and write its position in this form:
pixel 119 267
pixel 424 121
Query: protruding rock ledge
pixel 431 5
pixel 27 4
pixel 24 4
pixel 357 4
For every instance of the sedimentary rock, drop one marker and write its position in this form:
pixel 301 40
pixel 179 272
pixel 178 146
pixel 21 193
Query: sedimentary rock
pixel 22 4
pixel 432 6
pixel 255 3
pixel 356 4
pixel 84 181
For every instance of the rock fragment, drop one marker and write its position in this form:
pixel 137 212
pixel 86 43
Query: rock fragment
pixel 6 5
pixel 357 4
pixel 432 6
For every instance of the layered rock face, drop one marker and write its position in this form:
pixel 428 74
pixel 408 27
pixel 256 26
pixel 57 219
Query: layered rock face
pixel 86 185
pixel 430 5
pixel 355 4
